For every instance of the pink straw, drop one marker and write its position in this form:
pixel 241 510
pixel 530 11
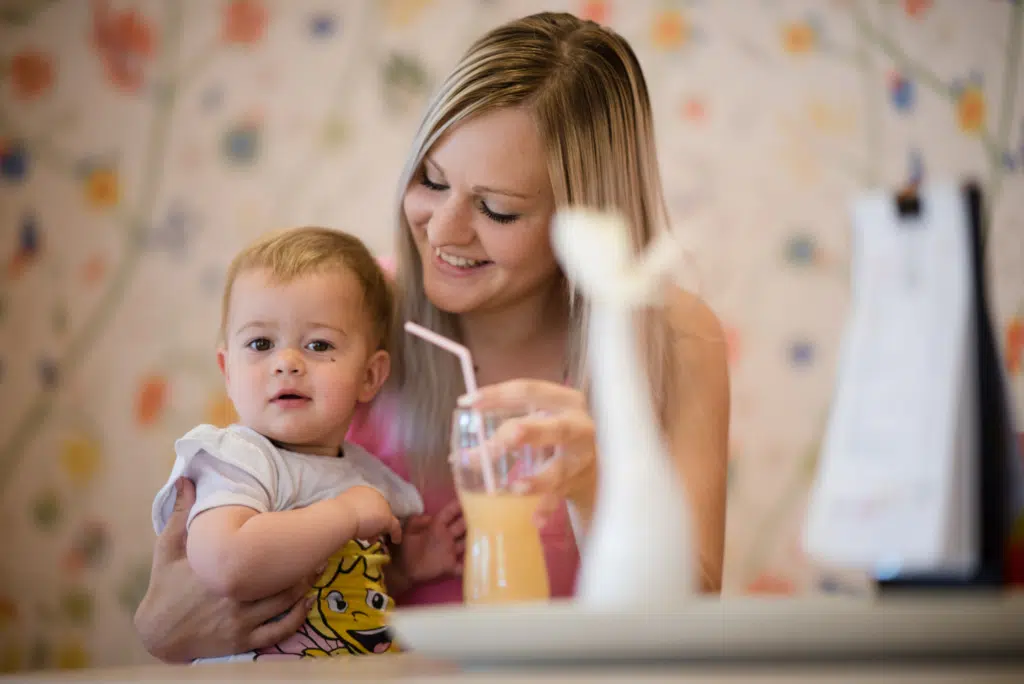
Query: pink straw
pixel 466 360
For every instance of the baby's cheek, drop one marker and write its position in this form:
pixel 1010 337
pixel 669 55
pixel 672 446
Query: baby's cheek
pixel 245 391
pixel 340 391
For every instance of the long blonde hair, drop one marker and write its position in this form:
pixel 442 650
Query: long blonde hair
pixel 585 88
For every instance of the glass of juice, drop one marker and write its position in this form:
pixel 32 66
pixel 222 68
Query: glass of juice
pixel 504 561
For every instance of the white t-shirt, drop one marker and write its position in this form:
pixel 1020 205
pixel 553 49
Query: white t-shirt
pixel 237 466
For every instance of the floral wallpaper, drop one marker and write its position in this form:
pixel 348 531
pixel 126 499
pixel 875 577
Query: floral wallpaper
pixel 143 141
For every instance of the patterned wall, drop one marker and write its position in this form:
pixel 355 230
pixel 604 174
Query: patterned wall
pixel 142 142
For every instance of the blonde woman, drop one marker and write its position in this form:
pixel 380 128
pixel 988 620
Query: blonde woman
pixel 543 112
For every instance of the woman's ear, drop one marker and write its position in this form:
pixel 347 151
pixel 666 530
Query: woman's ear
pixel 378 366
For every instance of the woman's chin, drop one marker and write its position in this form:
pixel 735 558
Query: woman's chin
pixel 451 298
pixel 451 304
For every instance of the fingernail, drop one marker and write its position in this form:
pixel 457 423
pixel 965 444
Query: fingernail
pixel 320 570
pixel 467 399
pixel 310 600
pixel 179 485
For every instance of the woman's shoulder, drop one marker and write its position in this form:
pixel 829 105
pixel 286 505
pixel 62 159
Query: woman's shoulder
pixel 691 318
pixel 701 345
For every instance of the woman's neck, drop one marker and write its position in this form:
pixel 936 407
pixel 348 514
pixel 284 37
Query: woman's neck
pixel 527 339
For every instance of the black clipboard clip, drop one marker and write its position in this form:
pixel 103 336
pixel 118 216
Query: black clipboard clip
pixel 908 201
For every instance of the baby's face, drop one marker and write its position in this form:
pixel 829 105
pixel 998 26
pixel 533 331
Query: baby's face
pixel 298 357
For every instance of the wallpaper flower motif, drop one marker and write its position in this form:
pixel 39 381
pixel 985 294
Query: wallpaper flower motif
pixel 142 142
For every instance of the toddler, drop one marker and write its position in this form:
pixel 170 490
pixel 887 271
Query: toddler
pixel 306 318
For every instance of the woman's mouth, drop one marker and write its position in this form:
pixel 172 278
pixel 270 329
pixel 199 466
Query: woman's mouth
pixel 459 262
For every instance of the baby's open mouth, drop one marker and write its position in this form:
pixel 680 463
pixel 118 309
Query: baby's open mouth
pixel 290 396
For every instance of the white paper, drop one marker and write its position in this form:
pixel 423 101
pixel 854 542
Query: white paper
pixel 896 486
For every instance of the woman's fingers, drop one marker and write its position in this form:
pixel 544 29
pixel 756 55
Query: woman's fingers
pixel 565 429
pixel 536 395
pixel 548 505
pixel 170 545
pixel 570 438
pixel 255 613
pixel 273 632
pixel 553 479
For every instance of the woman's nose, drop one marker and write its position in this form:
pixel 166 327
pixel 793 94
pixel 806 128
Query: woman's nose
pixel 289 362
pixel 450 223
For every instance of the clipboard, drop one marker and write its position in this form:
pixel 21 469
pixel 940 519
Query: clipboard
pixel 920 477
pixel 1000 481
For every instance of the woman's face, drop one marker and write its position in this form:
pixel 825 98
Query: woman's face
pixel 480 212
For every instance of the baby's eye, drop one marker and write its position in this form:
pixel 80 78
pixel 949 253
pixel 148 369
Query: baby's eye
pixel 259 344
pixel 319 346
pixel 336 602
pixel 376 600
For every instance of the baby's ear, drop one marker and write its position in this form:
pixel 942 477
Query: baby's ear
pixel 378 367
pixel 222 361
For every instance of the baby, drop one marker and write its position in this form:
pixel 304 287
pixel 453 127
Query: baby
pixel 306 316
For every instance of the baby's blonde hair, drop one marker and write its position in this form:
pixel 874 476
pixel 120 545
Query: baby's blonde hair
pixel 295 252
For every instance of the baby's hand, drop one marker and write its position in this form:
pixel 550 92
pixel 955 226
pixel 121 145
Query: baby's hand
pixel 371 513
pixel 433 545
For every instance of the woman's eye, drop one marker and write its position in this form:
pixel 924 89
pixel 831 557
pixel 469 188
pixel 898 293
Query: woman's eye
pixel 495 216
pixel 431 185
pixel 319 346
pixel 259 344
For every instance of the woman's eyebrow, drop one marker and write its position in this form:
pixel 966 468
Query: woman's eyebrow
pixel 480 189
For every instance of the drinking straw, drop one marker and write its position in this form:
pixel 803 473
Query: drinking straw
pixel 466 360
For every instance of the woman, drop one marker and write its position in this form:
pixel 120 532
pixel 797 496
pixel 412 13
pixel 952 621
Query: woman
pixel 544 112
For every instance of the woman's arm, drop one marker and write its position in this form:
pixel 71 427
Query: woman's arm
pixel 698 436
pixel 699 432
pixel 179 620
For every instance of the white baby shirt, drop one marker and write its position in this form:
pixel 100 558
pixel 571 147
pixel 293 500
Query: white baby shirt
pixel 237 466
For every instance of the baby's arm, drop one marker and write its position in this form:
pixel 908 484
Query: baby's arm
pixel 247 555
pixel 239 544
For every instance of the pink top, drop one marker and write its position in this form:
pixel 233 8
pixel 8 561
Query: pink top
pixel 374 430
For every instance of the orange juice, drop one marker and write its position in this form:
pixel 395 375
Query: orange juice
pixel 504 557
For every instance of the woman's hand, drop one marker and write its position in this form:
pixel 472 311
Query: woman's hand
pixel 562 421
pixel 179 620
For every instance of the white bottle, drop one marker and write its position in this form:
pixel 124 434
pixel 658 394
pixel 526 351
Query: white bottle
pixel 639 553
